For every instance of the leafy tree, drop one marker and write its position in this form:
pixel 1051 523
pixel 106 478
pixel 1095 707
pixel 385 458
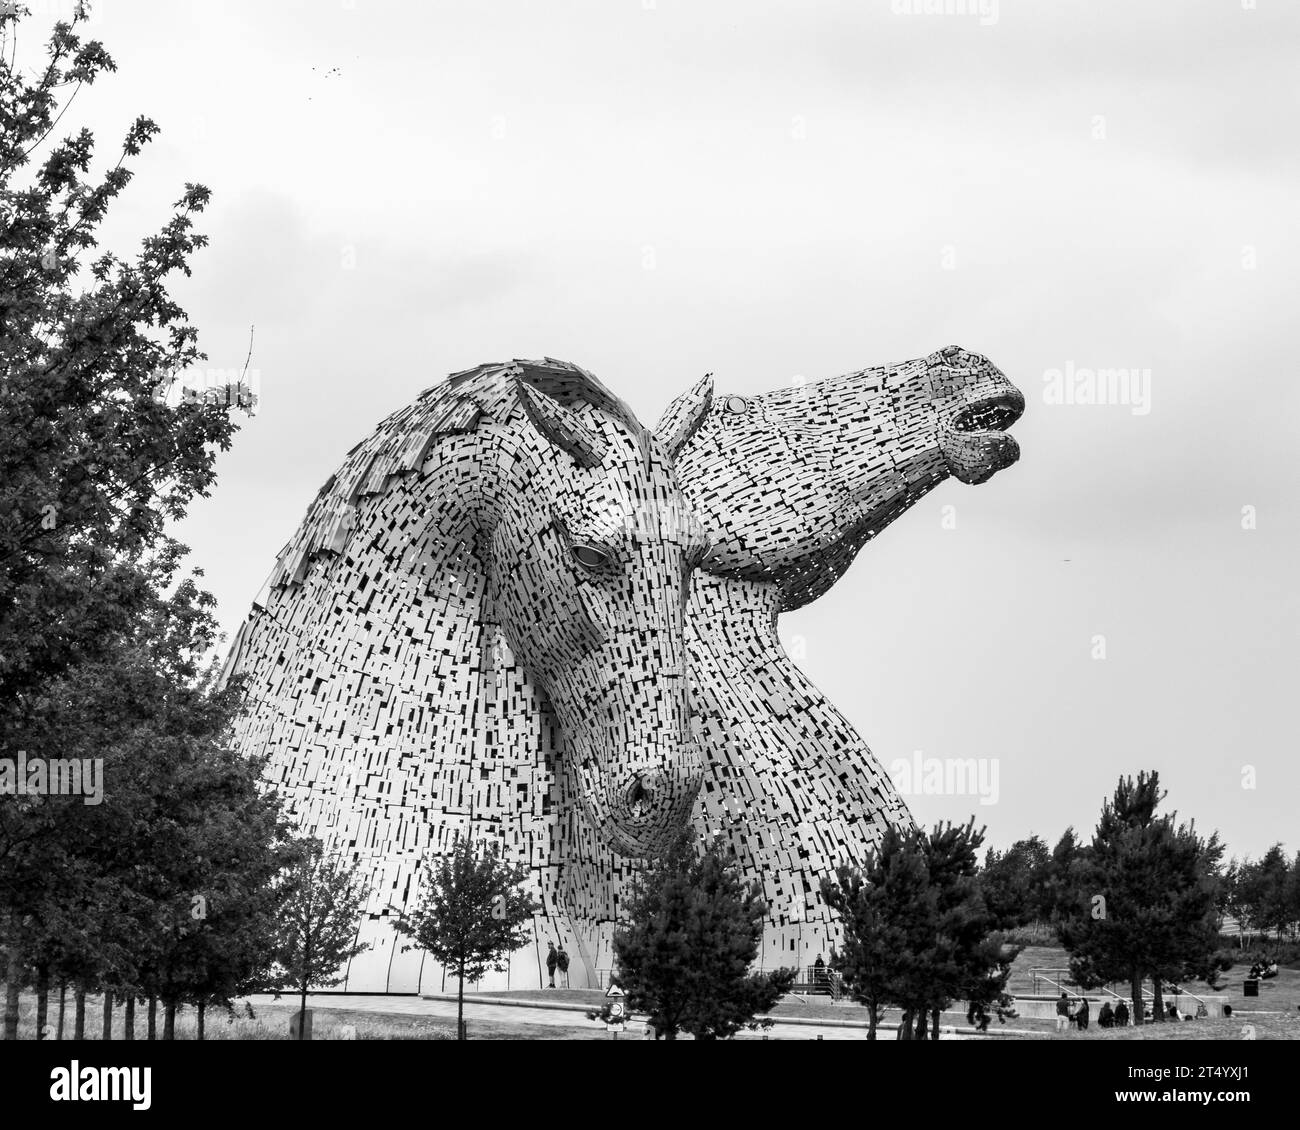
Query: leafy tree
pixel 472 914
pixel 1143 898
pixel 320 919
pixel 109 891
pixel 1263 890
pixel 1232 896
pixel 693 932
pixel 94 459
pixel 1291 893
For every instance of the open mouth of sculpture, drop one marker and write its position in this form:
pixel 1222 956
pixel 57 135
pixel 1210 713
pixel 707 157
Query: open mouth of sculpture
pixel 975 442
pixel 992 414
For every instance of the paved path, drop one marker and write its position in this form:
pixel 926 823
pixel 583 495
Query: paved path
pixel 550 1016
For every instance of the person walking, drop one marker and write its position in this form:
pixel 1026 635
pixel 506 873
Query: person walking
pixel 552 960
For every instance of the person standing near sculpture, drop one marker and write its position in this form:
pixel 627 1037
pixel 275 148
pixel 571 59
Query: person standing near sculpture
pixel 552 960
pixel 562 964
pixel 1063 1012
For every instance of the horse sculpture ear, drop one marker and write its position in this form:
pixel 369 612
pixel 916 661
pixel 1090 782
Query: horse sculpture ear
pixel 562 427
pixel 683 416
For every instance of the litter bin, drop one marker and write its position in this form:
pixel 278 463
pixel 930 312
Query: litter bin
pixel 1252 986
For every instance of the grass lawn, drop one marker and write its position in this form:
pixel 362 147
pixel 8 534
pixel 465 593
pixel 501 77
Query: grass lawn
pixel 328 1023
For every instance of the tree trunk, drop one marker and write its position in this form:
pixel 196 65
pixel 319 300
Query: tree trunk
pixel 905 1025
pixel 79 1023
pixel 13 982
pixel 306 975
pixel 128 1017
pixel 202 1009
pixel 934 1024
pixel 63 1000
pixel 460 1004
pixel 108 1016
pixel 1135 992
pixel 153 1017
pixel 1158 1000
pixel 302 1012
pixel 42 1000
pixel 873 1018
pixel 922 1017
pixel 169 1020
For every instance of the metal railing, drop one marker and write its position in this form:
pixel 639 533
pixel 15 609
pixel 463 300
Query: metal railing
pixel 1167 989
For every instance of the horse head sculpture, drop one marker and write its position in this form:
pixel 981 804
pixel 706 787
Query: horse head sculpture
pixel 790 485
pixel 478 629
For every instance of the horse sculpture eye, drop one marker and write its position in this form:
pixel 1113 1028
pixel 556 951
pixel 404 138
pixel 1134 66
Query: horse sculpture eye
pixel 589 557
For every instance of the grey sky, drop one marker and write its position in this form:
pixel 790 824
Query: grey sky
pixel 772 189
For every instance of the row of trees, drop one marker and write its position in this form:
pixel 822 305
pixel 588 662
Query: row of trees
pixel 1141 902
pixel 1264 895
pixel 167 877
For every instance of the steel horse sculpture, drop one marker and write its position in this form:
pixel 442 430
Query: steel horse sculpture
pixel 478 630
pixel 515 613
pixel 790 486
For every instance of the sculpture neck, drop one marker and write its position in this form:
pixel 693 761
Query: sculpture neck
pixel 736 610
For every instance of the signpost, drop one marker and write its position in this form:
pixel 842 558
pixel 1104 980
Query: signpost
pixel 617 1020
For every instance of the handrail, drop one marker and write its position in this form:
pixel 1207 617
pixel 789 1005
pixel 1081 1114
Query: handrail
pixel 1168 988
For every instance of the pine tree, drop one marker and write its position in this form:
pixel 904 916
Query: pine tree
pixel 472 914
pixel 1142 900
pixel 1014 882
pixel 692 934
pixel 888 913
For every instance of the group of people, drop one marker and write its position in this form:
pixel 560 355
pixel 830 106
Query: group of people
pixel 1263 970
pixel 1076 1012
pixel 1116 1017
pixel 557 959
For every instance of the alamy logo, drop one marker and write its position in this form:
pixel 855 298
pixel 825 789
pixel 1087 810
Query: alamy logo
pixel 54 776
pixel 102 1084
pixel 987 10
pixel 1079 385
pixel 948 776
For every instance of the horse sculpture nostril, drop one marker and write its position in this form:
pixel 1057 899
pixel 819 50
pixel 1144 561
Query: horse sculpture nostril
pixel 645 792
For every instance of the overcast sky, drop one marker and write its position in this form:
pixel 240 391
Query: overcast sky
pixel 656 189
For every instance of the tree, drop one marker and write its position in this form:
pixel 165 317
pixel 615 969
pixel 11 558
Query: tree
pixel 163 887
pixel 919 932
pixel 1262 891
pixel 887 910
pixel 692 934
pixel 94 460
pixel 1142 900
pixel 471 914
pixel 320 919
pixel 1014 882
